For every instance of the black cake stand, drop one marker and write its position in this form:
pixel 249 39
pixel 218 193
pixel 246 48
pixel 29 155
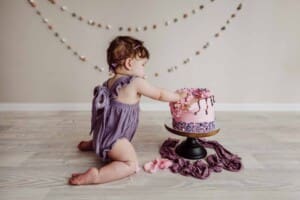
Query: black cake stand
pixel 190 148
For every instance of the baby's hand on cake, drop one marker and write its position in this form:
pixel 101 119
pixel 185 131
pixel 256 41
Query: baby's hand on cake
pixel 182 94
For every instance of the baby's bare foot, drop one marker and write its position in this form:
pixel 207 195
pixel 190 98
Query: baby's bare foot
pixel 85 145
pixel 89 177
pixel 76 174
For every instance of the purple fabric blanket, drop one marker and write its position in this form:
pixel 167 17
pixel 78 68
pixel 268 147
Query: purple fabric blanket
pixel 223 159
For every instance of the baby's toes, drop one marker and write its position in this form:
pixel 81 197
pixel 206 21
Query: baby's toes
pixel 73 181
pixel 79 144
pixel 76 174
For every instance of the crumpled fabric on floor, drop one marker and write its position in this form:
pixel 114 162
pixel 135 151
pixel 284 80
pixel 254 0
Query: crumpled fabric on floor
pixel 223 159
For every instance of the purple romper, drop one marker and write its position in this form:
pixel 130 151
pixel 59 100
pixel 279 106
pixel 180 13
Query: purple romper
pixel 111 119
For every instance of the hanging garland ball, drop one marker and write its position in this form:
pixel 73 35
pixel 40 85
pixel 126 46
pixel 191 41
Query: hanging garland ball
pixel 170 70
pixel 50 27
pixel 197 53
pixel 129 29
pixel 91 22
pixel 239 7
pixel 52 1
pixel 185 15
pixel 201 7
pixel 167 23
pixel 69 47
pixel 63 8
pixel 56 34
pixel 73 14
pixel 45 20
pixel 101 69
pixel 63 40
pixel 80 18
pixel 227 22
pixel 82 58
pixel 38 12
pixel 156 74
pixel 108 27
pixel 32 3
pixel 99 25
pixel 145 28
pixel 223 28
pixel 137 29
pixel 233 16
pixel 154 26
pixel 217 35
pixel 186 61
pixel 175 20
pixel 120 28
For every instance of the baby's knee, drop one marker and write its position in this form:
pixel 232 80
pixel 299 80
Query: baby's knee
pixel 133 166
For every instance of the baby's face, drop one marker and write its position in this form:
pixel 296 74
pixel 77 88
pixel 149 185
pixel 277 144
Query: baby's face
pixel 137 66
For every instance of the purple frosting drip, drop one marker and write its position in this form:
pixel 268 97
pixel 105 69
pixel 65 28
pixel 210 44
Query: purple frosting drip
pixel 223 159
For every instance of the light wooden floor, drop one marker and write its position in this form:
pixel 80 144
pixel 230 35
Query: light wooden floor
pixel 38 153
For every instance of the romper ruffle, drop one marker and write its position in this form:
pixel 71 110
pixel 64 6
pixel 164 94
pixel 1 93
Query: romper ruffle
pixel 111 119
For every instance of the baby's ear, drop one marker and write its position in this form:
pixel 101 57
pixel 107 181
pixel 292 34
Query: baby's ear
pixel 128 63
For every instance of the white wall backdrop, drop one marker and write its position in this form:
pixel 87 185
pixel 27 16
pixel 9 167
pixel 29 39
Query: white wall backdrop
pixel 254 62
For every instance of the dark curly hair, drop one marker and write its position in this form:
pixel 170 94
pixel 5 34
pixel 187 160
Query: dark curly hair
pixel 123 47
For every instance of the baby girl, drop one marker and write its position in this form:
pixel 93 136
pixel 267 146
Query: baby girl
pixel 115 112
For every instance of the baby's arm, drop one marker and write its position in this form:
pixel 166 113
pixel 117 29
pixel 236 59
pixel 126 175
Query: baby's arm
pixel 145 88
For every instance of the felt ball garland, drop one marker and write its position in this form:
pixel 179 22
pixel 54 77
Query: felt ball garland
pixel 83 58
pixel 108 26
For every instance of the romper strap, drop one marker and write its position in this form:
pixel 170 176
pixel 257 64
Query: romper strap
pixel 119 83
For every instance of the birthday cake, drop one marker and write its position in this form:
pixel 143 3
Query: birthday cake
pixel 195 113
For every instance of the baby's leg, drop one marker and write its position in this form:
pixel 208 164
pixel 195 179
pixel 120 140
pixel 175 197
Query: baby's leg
pixel 85 145
pixel 124 164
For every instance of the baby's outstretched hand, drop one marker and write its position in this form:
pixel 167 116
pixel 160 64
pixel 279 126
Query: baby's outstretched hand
pixel 182 94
